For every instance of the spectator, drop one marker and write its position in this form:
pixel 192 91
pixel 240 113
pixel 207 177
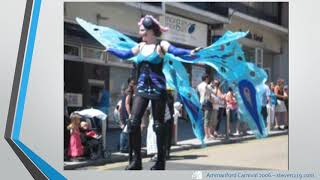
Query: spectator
pixel 232 108
pixel 286 102
pixel 272 101
pixel 75 147
pixel 264 102
pixel 103 100
pixel 221 102
pixel 205 101
pixel 215 109
pixel 280 107
pixel 125 112
pixel 286 99
pixel 90 140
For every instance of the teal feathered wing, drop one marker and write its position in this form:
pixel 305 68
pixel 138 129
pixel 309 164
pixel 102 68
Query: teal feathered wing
pixel 108 37
pixel 245 78
pixel 178 79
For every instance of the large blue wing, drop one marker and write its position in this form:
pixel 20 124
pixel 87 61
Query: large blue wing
pixel 246 79
pixel 178 78
pixel 108 37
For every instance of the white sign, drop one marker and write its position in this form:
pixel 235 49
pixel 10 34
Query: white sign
pixel 74 99
pixel 184 31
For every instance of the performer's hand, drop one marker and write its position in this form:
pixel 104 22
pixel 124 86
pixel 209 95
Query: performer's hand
pixel 196 50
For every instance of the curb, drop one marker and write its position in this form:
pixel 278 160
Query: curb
pixel 120 157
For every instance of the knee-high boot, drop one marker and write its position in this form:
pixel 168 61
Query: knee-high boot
pixel 159 129
pixel 135 162
pixel 169 124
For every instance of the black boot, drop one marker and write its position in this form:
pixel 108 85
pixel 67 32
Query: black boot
pixel 135 162
pixel 168 154
pixel 161 146
pixel 134 165
pixel 169 124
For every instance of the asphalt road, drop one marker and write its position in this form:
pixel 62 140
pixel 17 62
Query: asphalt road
pixel 269 154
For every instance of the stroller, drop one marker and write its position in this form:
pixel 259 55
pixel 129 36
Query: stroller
pixel 97 120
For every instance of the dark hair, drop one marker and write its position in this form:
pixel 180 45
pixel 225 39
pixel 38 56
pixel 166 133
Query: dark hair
pixel 230 89
pixel 204 77
pixel 149 24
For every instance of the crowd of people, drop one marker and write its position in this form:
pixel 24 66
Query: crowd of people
pixel 218 105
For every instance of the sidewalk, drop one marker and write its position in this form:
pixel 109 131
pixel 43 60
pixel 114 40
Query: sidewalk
pixel 186 141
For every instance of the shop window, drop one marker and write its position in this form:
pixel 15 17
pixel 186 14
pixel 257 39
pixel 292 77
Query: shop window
pixel 71 50
pixel 259 57
pixel 249 54
pixel 93 53
pixel 268 71
pixel 74 99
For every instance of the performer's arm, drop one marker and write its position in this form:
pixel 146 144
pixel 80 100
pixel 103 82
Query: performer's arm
pixel 167 47
pixel 124 54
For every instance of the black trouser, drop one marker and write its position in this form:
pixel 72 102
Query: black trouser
pixel 264 113
pixel 169 124
pixel 221 114
pixel 138 109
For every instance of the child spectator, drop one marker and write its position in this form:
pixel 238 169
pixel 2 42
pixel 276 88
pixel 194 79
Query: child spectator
pixel 75 146
pixel 91 141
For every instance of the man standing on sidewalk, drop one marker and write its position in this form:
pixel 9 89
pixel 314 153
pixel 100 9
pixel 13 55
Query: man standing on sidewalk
pixel 205 101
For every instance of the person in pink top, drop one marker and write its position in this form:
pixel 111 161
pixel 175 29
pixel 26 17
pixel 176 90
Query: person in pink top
pixel 232 109
pixel 75 146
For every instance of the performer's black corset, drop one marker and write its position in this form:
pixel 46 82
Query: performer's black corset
pixel 151 81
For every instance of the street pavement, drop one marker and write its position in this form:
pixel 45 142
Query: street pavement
pixel 260 154
pixel 185 133
pixel 186 141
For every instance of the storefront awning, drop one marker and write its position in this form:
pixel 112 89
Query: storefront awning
pixel 270 26
pixel 145 7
